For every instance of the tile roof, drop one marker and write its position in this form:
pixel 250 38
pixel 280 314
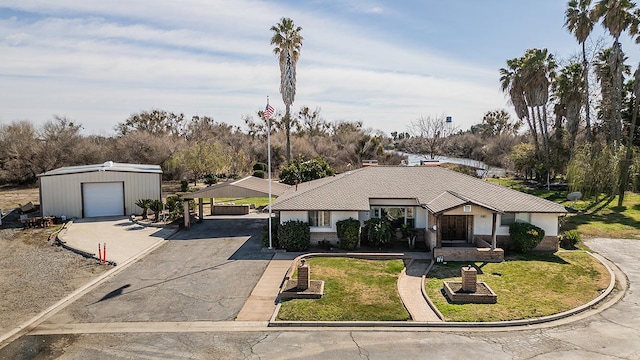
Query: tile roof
pixel 107 166
pixel 436 188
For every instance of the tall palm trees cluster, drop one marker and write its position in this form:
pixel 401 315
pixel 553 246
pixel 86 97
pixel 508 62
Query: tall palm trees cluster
pixel 533 82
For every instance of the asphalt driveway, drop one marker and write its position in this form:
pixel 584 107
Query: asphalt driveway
pixel 205 273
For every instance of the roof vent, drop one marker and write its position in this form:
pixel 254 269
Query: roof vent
pixel 467 208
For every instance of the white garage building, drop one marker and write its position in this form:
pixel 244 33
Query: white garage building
pixel 108 189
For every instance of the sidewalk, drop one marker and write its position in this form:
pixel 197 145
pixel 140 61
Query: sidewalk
pixel 123 238
pixel 261 304
pixel 410 289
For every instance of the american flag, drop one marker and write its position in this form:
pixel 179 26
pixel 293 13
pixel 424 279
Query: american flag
pixel 268 111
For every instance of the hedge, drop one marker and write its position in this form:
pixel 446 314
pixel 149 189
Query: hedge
pixel 348 233
pixel 525 236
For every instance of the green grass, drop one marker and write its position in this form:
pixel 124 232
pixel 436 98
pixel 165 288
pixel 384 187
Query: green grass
pixel 354 290
pixel 528 286
pixel 601 218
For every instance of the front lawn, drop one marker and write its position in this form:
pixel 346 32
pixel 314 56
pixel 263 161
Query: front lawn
pixel 354 290
pixel 528 286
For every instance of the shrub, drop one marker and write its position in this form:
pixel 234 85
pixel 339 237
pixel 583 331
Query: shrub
pixel 210 180
pixel 294 235
pixel 175 205
pixel 570 239
pixel 380 232
pixel 301 170
pixel 156 206
pixel 406 231
pixel 348 233
pixel 258 174
pixel 144 205
pixel 260 166
pixel 184 185
pixel 525 236
pixel 274 233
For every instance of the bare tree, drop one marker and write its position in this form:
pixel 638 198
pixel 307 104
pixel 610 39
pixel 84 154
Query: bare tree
pixel 429 136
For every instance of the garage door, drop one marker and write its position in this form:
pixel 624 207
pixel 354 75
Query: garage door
pixel 103 199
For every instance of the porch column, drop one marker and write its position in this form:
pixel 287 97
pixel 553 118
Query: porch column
pixel 438 231
pixel 494 225
pixel 200 209
pixel 211 202
pixel 187 220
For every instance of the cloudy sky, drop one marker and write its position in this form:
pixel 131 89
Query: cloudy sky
pixel 384 62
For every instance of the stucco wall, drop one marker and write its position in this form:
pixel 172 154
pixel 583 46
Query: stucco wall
pixel 548 222
pixel 303 216
pixel 62 194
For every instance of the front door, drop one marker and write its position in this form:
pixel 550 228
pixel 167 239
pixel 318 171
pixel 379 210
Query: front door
pixel 454 227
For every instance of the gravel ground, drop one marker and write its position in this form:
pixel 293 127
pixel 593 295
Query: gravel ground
pixel 34 274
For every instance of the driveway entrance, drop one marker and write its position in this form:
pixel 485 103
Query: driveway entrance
pixel 205 273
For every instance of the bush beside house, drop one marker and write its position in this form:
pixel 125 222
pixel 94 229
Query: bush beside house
pixel 294 235
pixel 348 233
pixel 379 232
pixel 525 236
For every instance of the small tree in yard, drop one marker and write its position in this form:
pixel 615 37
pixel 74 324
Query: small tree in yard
pixel 294 235
pixel 380 232
pixel 144 205
pixel 525 236
pixel 348 233
pixel 156 206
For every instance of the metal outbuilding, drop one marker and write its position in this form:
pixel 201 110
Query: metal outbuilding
pixel 108 189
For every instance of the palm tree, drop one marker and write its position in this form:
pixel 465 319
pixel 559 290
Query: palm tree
pixel 569 91
pixel 579 21
pixel 605 74
pixel 538 67
pixel 624 169
pixel 527 79
pixel 144 205
pixel 617 16
pixel 288 41
pixel 512 83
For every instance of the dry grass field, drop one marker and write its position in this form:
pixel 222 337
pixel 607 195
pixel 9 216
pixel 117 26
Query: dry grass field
pixel 12 197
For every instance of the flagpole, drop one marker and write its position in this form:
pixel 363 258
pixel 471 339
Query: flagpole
pixel 269 172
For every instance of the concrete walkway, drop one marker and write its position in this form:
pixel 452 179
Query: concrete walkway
pixel 124 239
pixel 410 289
pixel 261 304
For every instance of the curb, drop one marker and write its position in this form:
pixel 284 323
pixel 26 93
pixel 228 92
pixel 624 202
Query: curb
pixel 497 325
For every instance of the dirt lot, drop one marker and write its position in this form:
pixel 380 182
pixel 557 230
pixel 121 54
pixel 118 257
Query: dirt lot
pixel 34 274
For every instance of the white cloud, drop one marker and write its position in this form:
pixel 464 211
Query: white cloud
pixel 98 62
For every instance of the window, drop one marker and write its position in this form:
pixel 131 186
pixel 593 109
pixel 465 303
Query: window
pixel 320 218
pixel 523 217
pixel 397 215
pixel 509 218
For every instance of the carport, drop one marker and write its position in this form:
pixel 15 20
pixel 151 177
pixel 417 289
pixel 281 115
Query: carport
pixel 249 186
